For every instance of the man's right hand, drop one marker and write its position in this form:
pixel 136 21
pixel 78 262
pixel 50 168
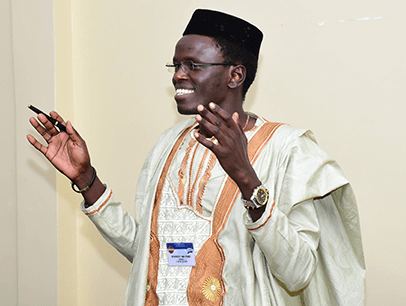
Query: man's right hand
pixel 68 153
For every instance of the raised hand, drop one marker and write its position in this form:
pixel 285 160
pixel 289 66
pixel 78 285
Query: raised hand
pixel 66 151
pixel 231 146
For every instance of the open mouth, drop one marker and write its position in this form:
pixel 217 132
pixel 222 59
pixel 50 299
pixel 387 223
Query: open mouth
pixel 183 91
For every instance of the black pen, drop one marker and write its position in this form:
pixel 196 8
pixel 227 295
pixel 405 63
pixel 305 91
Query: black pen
pixel 59 125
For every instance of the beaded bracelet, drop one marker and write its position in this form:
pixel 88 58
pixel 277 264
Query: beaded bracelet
pixel 88 186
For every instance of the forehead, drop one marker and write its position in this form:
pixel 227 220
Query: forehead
pixel 198 48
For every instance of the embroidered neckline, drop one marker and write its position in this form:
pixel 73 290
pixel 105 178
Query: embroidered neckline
pixel 191 179
pixel 195 171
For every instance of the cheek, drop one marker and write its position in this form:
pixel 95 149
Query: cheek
pixel 215 82
pixel 218 87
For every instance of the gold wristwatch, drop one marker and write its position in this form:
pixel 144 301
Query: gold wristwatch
pixel 259 198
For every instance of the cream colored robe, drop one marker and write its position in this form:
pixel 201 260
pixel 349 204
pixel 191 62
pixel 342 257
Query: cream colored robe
pixel 290 256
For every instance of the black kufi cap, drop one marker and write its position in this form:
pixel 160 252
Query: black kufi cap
pixel 218 24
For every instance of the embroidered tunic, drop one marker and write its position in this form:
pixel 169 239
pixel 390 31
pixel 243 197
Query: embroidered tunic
pixel 182 216
pixel 176 225
pixel 305 249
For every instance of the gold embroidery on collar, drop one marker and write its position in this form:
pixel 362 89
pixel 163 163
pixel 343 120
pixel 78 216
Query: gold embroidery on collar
pixel 198 181
pixel 203 182
pixel 182 172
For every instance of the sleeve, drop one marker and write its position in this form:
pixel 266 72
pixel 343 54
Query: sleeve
pixel 289 243
pixel 116 225
pixel 288 233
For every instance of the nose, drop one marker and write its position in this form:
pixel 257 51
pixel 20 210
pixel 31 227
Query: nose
pixel 179 75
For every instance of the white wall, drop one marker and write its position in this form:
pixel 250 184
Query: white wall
pixel 8 216
pixel 28 225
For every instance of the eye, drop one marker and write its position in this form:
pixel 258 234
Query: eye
pixel 177 65
pixel 190 65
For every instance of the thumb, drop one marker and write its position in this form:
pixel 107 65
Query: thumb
pixel 73 134
pixel 236 118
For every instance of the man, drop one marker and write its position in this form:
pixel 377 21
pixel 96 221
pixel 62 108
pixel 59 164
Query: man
pixel 269 217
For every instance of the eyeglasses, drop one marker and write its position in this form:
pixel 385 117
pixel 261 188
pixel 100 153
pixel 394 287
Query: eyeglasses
pixel 190 66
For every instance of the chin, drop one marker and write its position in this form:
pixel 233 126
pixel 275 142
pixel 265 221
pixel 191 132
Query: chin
pixel 184 109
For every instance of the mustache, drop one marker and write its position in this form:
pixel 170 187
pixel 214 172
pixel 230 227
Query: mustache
pixel 178 85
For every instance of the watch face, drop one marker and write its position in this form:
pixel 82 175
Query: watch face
pixel 262 195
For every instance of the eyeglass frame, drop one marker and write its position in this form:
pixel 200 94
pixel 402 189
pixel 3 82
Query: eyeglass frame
pixel 181 64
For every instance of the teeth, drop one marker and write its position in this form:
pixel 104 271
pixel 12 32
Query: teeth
pixel 182 91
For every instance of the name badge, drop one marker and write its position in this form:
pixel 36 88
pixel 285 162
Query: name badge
pixel 181 254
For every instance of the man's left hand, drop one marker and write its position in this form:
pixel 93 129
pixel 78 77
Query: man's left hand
pixel 231 146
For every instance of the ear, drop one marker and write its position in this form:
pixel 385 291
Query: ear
pixel 237 76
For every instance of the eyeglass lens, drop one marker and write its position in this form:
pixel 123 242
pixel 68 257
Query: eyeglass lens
pixel 185 65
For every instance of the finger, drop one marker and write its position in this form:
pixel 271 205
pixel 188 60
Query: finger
pixel 236 119
pixel 209 116
pixel 36 144
pixel 48 125
pixel 73 134
pixel 40 129
pixel 57 117
pixel 208 127
pixel 212 123
pixel 206 142
pixel 224 115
